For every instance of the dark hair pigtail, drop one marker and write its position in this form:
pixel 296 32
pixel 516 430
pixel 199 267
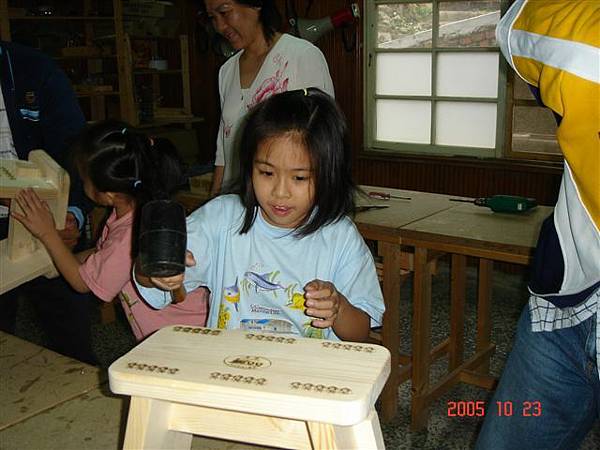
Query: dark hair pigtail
pixel 160 174
pixel 116 158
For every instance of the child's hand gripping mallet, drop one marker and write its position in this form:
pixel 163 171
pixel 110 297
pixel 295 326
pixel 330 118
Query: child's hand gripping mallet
pixel 163 241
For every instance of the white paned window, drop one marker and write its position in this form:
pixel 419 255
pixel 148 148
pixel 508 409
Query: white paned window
pixel 469 124
pixel 403 74
pixel 434 83
pixel 403 121
pixel 468 75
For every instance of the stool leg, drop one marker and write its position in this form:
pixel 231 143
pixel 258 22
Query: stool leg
pixel 148 427
pixel 365 435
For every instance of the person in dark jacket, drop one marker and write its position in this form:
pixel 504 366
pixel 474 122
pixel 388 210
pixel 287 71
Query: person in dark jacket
pixel 39 110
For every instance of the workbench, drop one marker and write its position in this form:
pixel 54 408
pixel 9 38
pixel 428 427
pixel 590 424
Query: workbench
pixel 462 231
pixel 383 227
pixel 420 230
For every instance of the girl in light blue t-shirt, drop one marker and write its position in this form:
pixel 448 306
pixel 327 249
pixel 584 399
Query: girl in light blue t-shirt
pixel 282 255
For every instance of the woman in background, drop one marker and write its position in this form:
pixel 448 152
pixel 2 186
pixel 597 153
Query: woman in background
pixel 268 62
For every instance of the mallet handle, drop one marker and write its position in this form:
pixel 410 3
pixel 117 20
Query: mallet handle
pixel 178 295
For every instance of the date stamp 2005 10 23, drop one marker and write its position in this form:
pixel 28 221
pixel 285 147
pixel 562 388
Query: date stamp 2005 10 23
pixel 507 408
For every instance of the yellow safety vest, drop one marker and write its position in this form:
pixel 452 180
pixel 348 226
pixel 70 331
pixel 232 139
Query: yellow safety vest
pixel 554 45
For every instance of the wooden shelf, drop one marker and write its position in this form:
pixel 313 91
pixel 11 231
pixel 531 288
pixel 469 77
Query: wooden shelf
pixel 96 94
pixel 152 38
pixel 62 57
pixel 170 121
pixel 100 51
pixel 60 18
pixel 113 59
pixel 157 72
pixel 180 114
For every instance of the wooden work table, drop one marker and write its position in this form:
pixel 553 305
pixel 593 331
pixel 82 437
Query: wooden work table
pixel 34 379
pixel 384 226
pixel 464 230
pixel 411 235
pixel 50 401
pixel 477 231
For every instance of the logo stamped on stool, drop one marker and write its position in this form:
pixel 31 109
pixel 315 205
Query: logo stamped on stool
pixel 247 362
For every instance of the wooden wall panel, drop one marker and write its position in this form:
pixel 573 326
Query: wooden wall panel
pixel 459 176
pixel 460 179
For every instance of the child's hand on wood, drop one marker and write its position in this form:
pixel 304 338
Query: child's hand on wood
pixel 323 302
pixel 36 215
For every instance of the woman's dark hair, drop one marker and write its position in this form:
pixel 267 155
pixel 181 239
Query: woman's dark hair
pixel 316 119
pixel 118 159
pixel 269 17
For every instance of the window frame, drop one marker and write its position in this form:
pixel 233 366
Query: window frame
pixel 511 102
pixel 371 144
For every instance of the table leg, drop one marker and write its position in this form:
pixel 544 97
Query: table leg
pixel 484 323
pixel 148 427
pixel 391 254
pixel 421 339
pixel 365 435
pixel 457 311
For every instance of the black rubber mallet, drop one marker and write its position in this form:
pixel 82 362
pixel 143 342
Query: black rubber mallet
pixel 163 242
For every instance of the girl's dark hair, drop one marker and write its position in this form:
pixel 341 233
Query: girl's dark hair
pixel 118 159
pixel 317 120
pixel 269 17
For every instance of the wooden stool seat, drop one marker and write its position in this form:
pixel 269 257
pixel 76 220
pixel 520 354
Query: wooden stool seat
pixel 267 389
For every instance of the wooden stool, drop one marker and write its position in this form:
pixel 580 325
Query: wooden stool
pixel 22 257
pixel 266 389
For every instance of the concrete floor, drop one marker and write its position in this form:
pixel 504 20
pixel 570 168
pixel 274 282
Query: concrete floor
pixel 64 427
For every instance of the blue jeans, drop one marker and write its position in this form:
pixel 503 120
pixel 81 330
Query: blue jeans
pixel 551 382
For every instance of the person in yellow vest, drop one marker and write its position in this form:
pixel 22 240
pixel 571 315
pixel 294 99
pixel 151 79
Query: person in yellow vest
pixel 549 393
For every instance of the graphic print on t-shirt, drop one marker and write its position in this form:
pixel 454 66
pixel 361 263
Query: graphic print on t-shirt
pixel 274 84
pixel 260 302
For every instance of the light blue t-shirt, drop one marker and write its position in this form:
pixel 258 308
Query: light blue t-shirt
pixel 257 279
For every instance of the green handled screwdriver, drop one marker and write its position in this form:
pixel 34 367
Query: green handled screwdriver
pixel 503 203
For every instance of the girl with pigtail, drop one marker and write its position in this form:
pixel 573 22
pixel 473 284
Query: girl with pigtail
pixel 121 169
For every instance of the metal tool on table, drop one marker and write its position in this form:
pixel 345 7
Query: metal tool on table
pixel 503 203
pixel 386 196
pixel 362 208
pixel 163 242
